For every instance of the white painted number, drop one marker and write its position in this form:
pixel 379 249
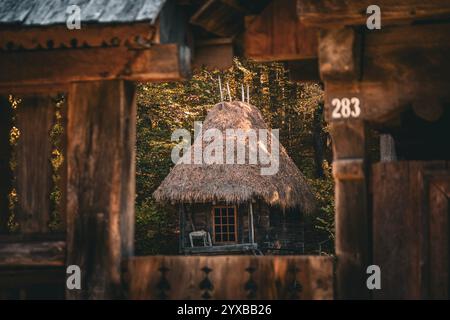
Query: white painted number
pixel 345 108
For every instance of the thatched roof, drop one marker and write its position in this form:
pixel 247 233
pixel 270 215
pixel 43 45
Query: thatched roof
pixel 236 183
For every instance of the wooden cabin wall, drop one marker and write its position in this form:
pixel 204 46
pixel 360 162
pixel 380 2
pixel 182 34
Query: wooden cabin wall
pixel 270 223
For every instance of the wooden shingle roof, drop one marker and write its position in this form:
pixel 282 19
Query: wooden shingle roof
pixel 52 12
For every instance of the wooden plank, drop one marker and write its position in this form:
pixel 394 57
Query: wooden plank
pixel 396 231
pixel 340 54
pixel 230 277
pixel 222 18
pixel 348 169
pixel 217 54
pixel 23 277
pixel 22 90
pixel 100 186
pixel 276 34
pixel 352 215
pixel 329 13
pixel 159 63
pixel 403 66
pixel 223 248
pixel 19 254
pixel 35 118
pixel 62 183
pixel 439 227
pixel 135 35
pixel 410 229
pixel 5 156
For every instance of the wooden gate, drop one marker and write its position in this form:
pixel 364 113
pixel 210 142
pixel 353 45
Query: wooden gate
pixel 411 229
pixel 230 277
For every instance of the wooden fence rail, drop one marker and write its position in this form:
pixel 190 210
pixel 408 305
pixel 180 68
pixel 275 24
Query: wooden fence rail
pixel 229 277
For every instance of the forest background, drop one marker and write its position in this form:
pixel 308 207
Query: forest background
pixel 296 109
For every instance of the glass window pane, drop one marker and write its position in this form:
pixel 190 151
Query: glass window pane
pixel 217 212
pixel 232 229
pixel 217 220
pixel 231 211
pixel 231 237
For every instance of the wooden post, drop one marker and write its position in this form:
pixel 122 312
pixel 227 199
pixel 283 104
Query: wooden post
pixel 182 227
pixel 352 217
pixel 5 154
pixel 35 117
pixel 100 184
pixel 252 230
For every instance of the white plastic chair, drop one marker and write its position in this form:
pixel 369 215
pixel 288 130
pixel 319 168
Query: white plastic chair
pixel 200 234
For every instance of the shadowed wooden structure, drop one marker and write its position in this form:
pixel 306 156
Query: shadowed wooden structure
pixel 96 67
pixel 395 80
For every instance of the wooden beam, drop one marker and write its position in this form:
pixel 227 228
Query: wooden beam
pixel 214 54
pixel 100 184
pixel 329 13
pixel 224 18
pixel 182 221
pixel 223 249
pixel 28 254
pixel 136 35
pixel 229 277
pixel 35 118
pixel 14 277
pixel 402 66
pixel 276 34
pixel 252 229
pixel 5 156
pixel 352 214
pixel 159 63
pixel 339 54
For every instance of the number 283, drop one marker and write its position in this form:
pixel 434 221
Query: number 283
pixel 345 108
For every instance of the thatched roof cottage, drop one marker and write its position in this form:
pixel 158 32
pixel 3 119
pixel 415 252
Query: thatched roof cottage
pixel 234 207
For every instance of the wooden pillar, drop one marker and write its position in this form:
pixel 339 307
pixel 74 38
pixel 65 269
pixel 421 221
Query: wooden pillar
pixel 182 218
pixel 5 154
pixel 100 184
pixel 252 228
pixel 352 215
pixel 35 118
pixel 340 65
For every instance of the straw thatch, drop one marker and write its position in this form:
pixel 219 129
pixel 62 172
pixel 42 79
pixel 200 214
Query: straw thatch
pixel 236 183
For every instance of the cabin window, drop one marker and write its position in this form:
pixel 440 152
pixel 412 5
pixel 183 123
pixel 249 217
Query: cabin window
pixel 225 229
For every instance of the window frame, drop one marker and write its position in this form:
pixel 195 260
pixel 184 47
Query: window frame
pixel 221 207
